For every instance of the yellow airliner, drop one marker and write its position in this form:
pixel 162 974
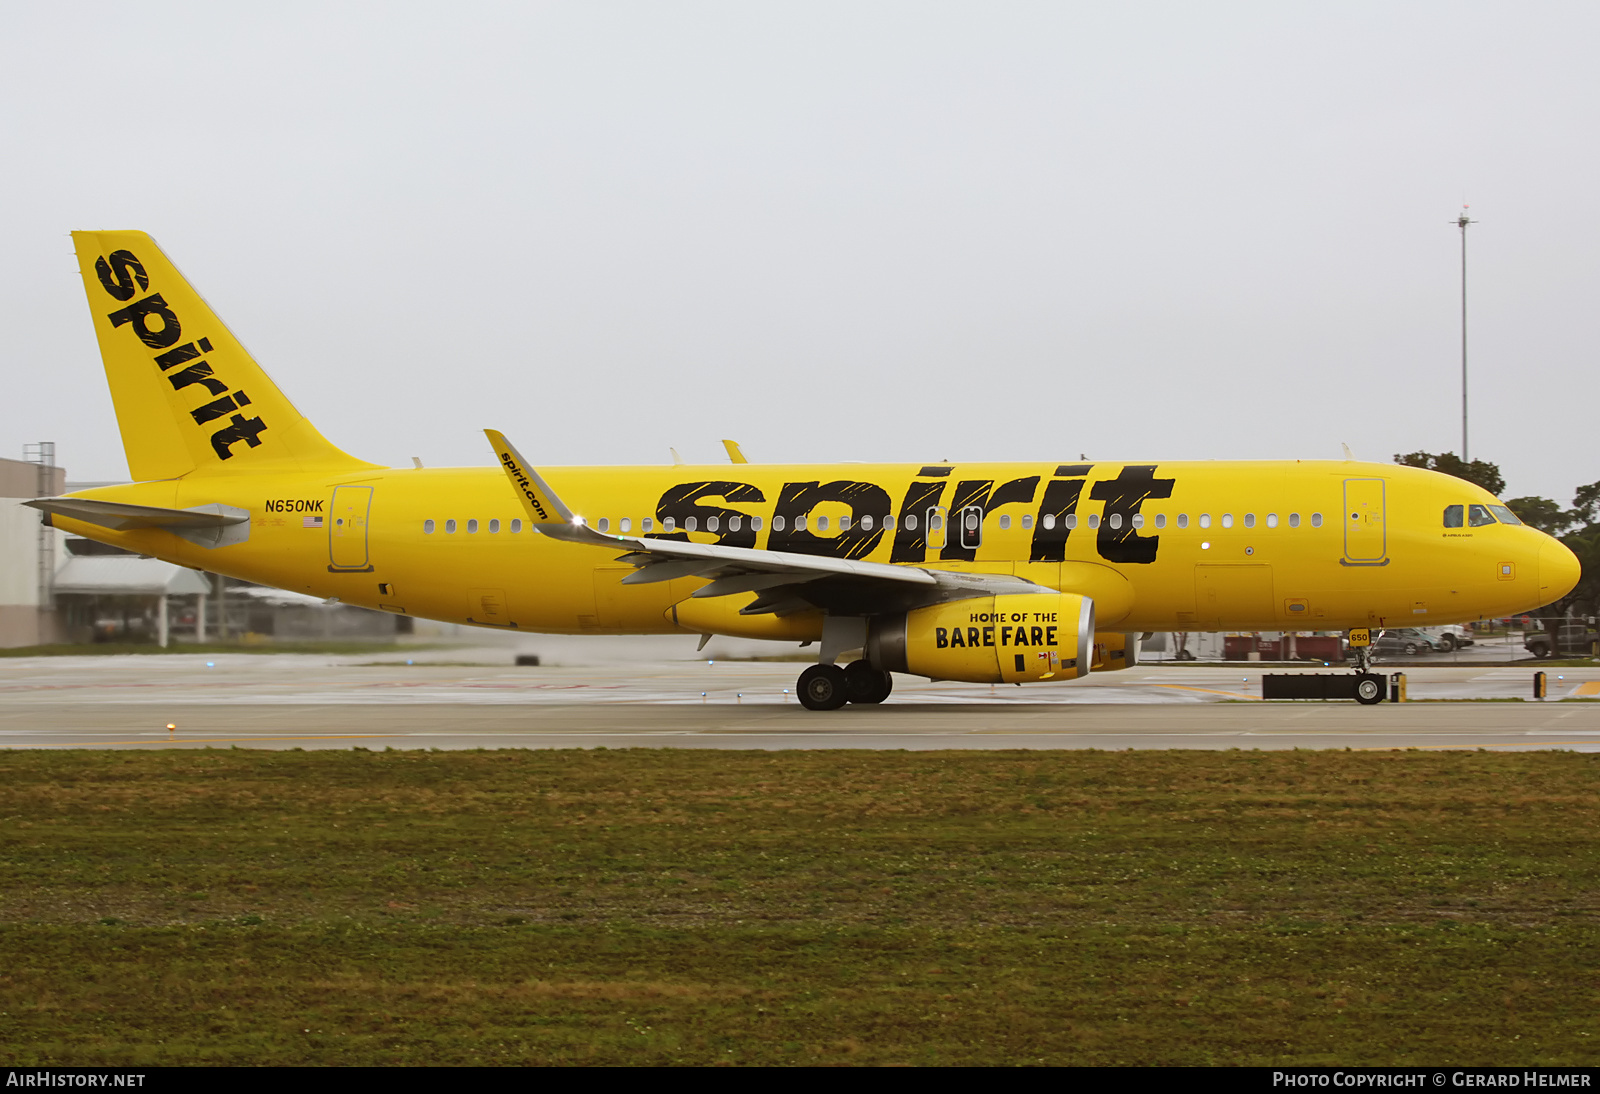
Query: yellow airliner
pixel 980 572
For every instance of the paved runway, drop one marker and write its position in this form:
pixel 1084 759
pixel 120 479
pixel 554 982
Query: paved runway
pixel 476 699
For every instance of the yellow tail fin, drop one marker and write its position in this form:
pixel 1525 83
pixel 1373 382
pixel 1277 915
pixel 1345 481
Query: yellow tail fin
pixel 188 397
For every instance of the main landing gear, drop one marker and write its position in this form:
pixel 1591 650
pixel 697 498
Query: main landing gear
pixel 829 687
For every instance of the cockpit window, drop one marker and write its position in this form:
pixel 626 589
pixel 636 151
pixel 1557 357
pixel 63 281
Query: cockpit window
pixel 1454 516
pixel 1506 516
pixel 1479 515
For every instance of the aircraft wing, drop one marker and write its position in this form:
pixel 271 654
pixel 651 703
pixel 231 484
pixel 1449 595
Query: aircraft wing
pixel 787 581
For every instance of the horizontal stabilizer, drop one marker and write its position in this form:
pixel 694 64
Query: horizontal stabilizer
pixel 214 525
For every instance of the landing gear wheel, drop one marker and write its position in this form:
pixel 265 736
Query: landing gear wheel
pixel 865 684
pixel 823 687
pixel 1369 689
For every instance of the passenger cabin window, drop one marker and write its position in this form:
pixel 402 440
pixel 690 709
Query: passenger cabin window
pixel 1294 520
pixel 866 523
pixel 755 523
pixel 1272 520
pixel 911 522
pixel 888 523
pixel 494 526
pixel 516 525
pixel 1094 520
pixel 777 524
pixel 1227 520
pixel 1316 520
pixel 1048 520
pixel 1183 520
pixel 1027 520
pixel 1005 521
pixel 1072 521
pixel 603 524
pixel 1205 520
pixel 1479 515
pixel 822 523
pixel 799 523
pixel 646 524
pixel 625 524
pixel 1137 520
pixel 691 523
pixel 450 526
pixel 1506 516
pixel 1161 520
pixel 1249 520
pixel 669 523
pixel 713 523
pixel 427 527
pixel 844 524
pixel 472 526
pixel 1115 520
pixel 735 523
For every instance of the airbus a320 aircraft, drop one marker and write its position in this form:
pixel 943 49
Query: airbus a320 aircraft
pixel 979 572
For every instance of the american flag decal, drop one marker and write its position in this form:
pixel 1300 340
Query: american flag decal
pixel 311 522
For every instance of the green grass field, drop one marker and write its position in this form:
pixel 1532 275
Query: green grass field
pixel 700 907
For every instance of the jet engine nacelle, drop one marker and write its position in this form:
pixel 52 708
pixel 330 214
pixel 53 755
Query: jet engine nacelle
pixel 1011 639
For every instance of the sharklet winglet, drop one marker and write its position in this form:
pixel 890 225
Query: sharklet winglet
pixel 541 502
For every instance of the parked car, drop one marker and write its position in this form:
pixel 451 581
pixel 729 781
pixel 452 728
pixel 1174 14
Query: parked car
pixel 1571 637
pixel 1449 636
pixel 1407 640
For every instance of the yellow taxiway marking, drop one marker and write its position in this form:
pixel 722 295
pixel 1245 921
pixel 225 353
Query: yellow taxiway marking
pixel 1208 691
pixel 157 740
pixel 1591 688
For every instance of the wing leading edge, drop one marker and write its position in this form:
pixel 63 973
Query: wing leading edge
pixel 786 581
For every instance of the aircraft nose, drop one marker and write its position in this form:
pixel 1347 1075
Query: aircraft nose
pixel 1559 571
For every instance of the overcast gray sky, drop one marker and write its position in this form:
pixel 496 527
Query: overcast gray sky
pixel 848 231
